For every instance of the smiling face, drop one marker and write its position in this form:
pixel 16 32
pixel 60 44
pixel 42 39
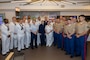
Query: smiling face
pixel 74 20
pixel 14 19
pixel 6 21
pixel 39 18
pixel 81 18
pixel 61 17
pixel 64 18
pixel 46 18
pixel 58 20
pixel 69 21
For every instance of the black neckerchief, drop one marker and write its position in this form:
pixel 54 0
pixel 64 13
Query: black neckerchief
pixel 7 27
pixel 21 26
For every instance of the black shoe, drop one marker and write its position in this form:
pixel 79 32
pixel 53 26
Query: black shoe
pixel 11 50
pixel 32 48
pixel 64 50
pixel 4 54
pixel 77 55
pixel 19 51
pixel 61 48
pixel 27 47
pixel 41 44
pixel 23 49
pixel 54 44
pixel 66 54
pixel 36 47
pixel 71 56
pixel 58 47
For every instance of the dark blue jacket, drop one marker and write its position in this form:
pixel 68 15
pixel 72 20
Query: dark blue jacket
pixel 42 28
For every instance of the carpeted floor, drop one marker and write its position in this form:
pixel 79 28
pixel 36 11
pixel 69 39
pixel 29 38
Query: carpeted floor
pixel 48 53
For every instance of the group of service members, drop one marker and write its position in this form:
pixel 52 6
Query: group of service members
pixel 68 34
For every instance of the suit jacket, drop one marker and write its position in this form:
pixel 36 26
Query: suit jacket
pixel 42 28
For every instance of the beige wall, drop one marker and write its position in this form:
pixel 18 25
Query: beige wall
pixel 8 14
pixel 74 13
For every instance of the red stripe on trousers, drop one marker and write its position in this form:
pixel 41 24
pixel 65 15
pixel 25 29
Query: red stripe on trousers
pixel 85 48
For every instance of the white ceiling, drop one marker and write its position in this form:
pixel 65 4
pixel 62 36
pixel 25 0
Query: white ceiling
pixel 29 0
pixel 5 0
pixel 48 6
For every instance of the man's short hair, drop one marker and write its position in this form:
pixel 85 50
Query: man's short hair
pixel 81 15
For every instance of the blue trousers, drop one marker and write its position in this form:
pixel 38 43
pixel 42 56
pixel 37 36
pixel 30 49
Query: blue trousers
pixel 62 41
pixel 42 39
pixel 59 40
pixel 33 36
pixel 81 47
pixel 65 43
pixel 71 45
pixel 55 38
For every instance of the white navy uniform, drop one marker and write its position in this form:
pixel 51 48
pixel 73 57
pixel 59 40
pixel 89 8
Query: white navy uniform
pixel 28 34
pixel 24 34
pixel 49 35
pixel 5 39
pixel 13 29
pixel 20 34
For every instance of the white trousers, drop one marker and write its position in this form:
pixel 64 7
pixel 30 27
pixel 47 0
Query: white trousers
pixel 5 44
pixel 49 39
pixel 13 41
pixel 28 39
pixel 20 42
pixel 38 39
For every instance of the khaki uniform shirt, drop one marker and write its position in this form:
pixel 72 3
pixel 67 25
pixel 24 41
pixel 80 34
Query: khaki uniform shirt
pixel 58 27
pixel 70 29
pixel 81 27
pixel 65 29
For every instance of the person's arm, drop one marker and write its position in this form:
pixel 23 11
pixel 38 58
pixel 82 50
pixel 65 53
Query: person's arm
pixel 54 28
pixel 3 31
pixel 39 30
pixel 68 34
pixel 73 31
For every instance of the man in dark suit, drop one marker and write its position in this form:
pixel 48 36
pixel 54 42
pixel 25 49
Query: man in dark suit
pixel 42 33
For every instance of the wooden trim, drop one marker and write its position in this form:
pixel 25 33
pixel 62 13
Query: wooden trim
pixel 9 56
pixel 88 41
